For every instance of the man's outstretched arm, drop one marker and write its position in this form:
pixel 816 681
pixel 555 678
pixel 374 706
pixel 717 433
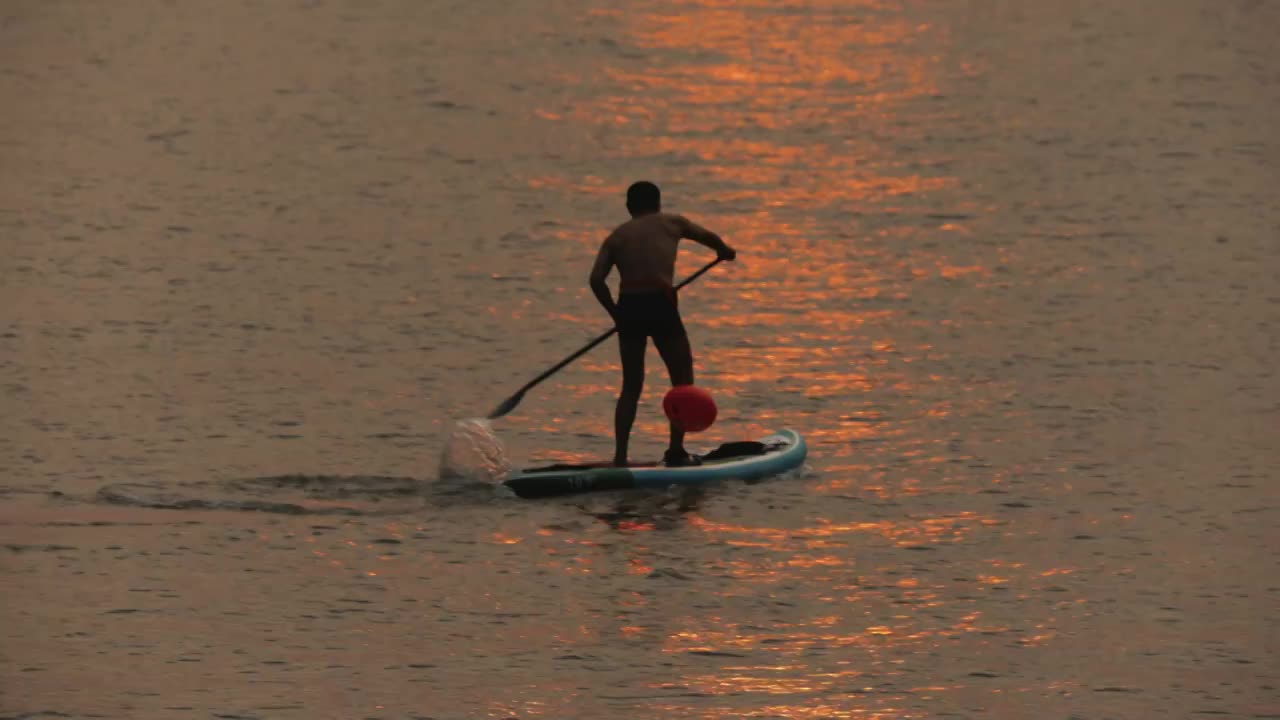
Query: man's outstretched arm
pixel 703 236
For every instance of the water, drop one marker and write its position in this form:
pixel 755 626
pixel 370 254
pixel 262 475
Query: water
pixel 1010 267
pixel 474 452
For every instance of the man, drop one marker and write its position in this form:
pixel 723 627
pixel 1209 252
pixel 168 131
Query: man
pixel 644 251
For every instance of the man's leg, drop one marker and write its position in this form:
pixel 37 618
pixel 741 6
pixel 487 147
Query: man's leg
pixel 678 356
pixel 631 348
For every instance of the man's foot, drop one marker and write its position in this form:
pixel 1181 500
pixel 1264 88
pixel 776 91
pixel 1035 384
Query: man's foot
pixel 679 458
pixel 620 462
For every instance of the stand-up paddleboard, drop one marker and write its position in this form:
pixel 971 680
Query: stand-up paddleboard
pixel 777 453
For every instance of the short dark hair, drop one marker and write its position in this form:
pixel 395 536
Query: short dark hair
pixel 644 196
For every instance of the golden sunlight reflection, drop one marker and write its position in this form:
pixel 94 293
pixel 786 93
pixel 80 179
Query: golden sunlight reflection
pixel 828 47
pixel 741 106
pixel 924 531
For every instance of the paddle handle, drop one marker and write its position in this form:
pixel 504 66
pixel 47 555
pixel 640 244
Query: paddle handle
pixel 604 336
pixel 698 274
pixel 557 367
pixel 512 401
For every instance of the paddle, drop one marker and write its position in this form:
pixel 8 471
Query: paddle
pixel 510 403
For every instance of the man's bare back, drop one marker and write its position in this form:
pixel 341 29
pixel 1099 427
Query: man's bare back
pixel 644 250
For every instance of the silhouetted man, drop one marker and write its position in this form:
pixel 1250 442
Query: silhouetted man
pixel 644 251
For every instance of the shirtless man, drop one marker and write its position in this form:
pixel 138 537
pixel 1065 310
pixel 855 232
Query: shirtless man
pixel 644 251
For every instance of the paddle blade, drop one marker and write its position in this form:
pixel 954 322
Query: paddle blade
pixel 507 405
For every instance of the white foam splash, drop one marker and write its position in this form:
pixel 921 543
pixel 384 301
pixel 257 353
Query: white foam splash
pixel 474 452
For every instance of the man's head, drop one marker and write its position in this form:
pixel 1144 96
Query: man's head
pixel 643 198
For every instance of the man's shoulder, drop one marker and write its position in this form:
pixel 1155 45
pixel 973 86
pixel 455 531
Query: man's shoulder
pixel 659 221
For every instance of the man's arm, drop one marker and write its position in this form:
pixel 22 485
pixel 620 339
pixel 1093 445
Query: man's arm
pixel 600 271
pixel 703 236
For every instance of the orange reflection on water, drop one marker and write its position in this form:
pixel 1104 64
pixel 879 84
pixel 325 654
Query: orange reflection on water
pixel 806 46
pixel 783 119
pixel 885 710
pixel 920 532
pixel 796 640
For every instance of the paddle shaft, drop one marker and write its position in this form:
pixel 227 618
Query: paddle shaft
pixel 511 402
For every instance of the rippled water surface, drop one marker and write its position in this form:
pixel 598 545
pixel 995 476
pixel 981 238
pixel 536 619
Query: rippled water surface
pixel 1010 267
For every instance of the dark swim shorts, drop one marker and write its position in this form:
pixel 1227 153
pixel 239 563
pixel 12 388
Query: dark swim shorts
pixel 649 314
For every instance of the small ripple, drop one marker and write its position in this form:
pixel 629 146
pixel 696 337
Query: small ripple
pixel 353 495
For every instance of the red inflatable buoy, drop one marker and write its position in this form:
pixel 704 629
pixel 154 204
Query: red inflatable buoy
pixel 689 407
